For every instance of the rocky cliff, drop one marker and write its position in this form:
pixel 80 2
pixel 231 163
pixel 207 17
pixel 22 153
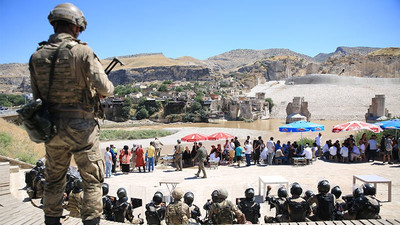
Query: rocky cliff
pixel 340 51
pixel 14 77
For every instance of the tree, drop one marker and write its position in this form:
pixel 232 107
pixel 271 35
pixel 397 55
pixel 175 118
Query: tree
pixel 196 106
pixel 142 114
pixel 167 82
pixel 270 105
pixel 163 88
pixel 179 89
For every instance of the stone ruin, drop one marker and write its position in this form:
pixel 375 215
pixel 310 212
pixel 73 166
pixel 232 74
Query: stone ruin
pixel 297 110
pixel 251 108
pixel 377 111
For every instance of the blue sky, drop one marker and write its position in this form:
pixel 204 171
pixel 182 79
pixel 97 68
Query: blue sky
pixel 204 28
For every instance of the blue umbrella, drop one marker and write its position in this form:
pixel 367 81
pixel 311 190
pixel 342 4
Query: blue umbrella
pixel 389 124
pixel 301 126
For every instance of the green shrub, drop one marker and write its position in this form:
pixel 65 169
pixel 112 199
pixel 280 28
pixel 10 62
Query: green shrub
pixel 142 114
pixel 132 135
pixel 270 105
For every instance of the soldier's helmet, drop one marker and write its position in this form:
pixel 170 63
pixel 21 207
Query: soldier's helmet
pixel 39 163
pixel 121 193
pixel 157 198
pixel 177 193
pixel 296 189
pixel 282 192
pixel 188 198
pixel 69 13
pixel 214 196
pixel 222 194
pixel 336 191
pixel 357 192
pixel 78 184
pixel 308 194
pixel 369 189
pixel 249 193
pixel 105 188
pixel 323 186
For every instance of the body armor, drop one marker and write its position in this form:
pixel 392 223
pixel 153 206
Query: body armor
pixel 326 206
pixel 154 213
pixel 251 210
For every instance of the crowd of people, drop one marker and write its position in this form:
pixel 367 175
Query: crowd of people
pixel 254 152
pixel 326 205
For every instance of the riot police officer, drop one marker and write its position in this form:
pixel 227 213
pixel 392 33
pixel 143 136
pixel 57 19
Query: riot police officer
pixel 366 206
pixel 281 214
pixel 296 206
pixel 195 214
pixel 340 204
pixel 224 211
pixel 75 199
pixel 122 209
pixel 325 202
pixel 177 211
pixel 207 206
pixel 155 210
pixel 249 207
pixel 35 171
pixel 107 203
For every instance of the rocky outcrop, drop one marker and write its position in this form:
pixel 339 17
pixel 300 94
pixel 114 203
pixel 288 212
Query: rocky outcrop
pixel 182 73
pixel 340 51
pixel 14 77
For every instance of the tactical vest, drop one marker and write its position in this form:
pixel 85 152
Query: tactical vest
pixel 121 211
pixel 194 212
pixel 223 213
pixel 251 210
pixel 370 209
pixel 297 210
pixel 279 205
pixel 66 88
pixel 152 215
pixel 30 177
pixel 175 213
pixel 107 208
pixel 326 206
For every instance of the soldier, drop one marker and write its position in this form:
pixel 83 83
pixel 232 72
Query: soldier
pixel 31 175
pixel 158 146
pixel 107 203
pixel 75 199
pixel 325 202
pixel 201 156
pixel 249 207
pixel 177 211
pixel 155 210
pixel 178 156
pixel 36 180
pixel 366 206
pixel 224 211
pixel 195 214
pixel 281 214
pixel 207 206
pixel 297 207
pixel 68 77
pixel 122 209
pixel 340 204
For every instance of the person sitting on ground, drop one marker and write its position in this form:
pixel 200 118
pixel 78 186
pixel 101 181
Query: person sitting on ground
pixel 314 150
pixel 296 206
pixel 279 155
pixel 220 152
pixel 214 157
pixel 155 210
pixel 187 160
pixel 325 202
pixel 354 151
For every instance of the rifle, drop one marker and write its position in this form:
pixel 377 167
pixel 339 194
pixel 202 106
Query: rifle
pixel 99 111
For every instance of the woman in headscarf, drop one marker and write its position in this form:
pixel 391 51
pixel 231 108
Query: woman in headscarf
pixel 125 158
pixel 140 158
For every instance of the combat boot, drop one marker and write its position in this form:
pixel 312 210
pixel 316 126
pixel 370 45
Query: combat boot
pixel 95 221
pixel 52 220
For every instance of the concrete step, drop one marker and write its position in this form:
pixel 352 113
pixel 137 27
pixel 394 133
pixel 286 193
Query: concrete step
pixel 14 169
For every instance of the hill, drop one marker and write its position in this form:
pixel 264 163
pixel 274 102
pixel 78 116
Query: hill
pixel 322 57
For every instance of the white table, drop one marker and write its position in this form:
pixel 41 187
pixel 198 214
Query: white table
pixel 171 184
pixel 374 179
pixel 270 180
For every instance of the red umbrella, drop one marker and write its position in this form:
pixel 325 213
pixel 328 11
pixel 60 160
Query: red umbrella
pixel 218 136
pixel 356 125
pixel 194 137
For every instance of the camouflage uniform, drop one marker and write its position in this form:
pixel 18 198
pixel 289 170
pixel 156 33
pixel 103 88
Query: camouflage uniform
pixel 224 212
pixel 201 156
pixel 75 204
pixel 178 157
pixel 177 212
pixel 78 78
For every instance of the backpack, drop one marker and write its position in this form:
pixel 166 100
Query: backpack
pixel 175 212
pixel 223 213
pixel 326 206
pixel 388 144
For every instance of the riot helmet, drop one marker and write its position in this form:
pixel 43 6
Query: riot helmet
pixel 369 189
pixel 214 196
pixel 222 194
pixel 78 185
pixel 188 198
pixel 158 197
pixel 282 192
pixel 323 186
pixel 121 193
pixel 105 188
pixel 308 194
pixel 296 189
pixel 249 193
pixel 39 163
pixel 177 193
pixel 69 13
pixel 358 192
pixel 336 191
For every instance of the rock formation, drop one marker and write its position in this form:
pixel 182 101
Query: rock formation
pixel 297 110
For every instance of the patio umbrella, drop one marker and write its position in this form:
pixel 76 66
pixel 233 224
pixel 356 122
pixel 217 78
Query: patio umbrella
pixel 389 124
pixel 194 137
pixel 301 126
pixel 356 125
pixel 218 136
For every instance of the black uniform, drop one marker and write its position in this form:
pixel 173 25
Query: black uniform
pixel 155 213
pixel 250 209
pixel 325 206
pixel 365 207
pixel 122 210
pixel 107 208
pixel 298 208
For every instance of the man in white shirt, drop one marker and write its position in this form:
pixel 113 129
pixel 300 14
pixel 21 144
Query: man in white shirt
pixel 373 146
pixel 318 141
pixel 344 152
pixel 308 153
pixel 271 150
pixel 355 152
pixel 248 147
